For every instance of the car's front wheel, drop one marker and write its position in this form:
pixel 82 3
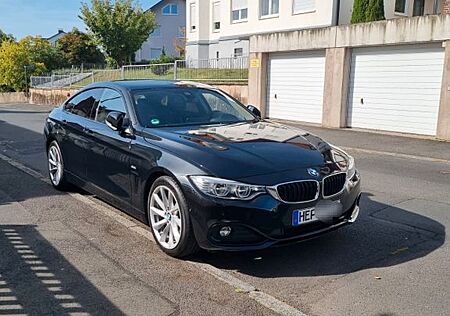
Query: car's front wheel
pixel 56 166
pixel 169 219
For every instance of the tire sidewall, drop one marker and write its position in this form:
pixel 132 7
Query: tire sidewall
pixel 184 212
pixel 61 183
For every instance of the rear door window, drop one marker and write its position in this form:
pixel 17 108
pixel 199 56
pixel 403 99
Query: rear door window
pixel 84 103
pixel 110 101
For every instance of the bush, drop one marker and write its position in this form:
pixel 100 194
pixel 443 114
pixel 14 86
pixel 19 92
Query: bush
pixel 359 11
pixel 5 88
pixel 375 11
pixel 368 11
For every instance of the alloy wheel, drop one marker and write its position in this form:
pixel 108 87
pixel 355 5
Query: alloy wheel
pixel 55 166
pixel 165 217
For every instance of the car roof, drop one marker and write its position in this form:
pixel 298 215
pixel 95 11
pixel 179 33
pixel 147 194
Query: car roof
pixel 146 84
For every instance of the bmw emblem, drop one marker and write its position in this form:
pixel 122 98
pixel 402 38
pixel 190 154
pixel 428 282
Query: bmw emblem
pixel 313 172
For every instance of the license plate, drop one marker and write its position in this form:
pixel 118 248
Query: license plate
pixel 304 216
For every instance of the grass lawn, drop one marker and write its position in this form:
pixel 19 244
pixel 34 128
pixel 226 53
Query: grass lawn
pixel 167 73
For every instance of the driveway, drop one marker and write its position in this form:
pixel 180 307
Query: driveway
pixel 393 261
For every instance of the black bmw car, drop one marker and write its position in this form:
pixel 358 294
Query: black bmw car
pixel 198 167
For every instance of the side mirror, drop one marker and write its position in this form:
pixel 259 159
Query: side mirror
pixel 114 120
pixel 254 110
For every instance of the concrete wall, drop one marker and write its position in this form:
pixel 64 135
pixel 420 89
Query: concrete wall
pixel 50 96
pixel 58 96
pixel 443 129
pixel 346 11
pixel 434 28
pixel 13 97
pixel 338 43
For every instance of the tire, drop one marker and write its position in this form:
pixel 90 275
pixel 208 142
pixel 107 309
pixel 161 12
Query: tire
pixel 55 164
pixel 169 219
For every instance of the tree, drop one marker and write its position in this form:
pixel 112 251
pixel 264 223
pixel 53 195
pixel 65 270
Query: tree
pixel 78 48
pixel 13 59
pixel 375 11
pixel 42 52
pixel 5 37
pixel 359 11
pixel 35 53
pixel 120 28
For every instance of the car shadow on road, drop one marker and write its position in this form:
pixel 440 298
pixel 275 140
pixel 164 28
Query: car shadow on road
pixel 383 236
pixel 36 279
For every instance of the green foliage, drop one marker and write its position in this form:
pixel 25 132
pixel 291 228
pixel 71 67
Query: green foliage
pixel 13 59
pixel 35 53
pixel 78 48
pixel 367 11
pixel 5 37
pixel 359 11
pixel 375 11
pixel 164 59
pixel 120 28
pixel 41 51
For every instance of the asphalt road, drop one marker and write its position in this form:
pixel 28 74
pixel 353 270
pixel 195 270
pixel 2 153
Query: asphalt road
pixel 393 261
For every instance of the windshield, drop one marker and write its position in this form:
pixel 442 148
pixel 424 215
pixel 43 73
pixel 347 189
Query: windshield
pixel 187 106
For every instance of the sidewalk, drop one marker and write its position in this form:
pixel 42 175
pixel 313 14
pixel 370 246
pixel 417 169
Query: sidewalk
pixel 357 139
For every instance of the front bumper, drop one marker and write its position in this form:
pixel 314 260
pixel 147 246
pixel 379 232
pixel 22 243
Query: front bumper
pixel 264 221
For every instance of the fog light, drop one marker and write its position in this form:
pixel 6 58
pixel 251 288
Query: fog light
pixel 225 231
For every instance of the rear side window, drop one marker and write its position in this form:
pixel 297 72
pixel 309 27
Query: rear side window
pixel 110 101
pixel 83 103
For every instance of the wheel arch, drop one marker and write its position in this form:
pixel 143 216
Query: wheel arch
pixel 157 173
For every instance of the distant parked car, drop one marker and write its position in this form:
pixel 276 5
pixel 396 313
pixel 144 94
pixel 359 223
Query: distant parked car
pixel 199 167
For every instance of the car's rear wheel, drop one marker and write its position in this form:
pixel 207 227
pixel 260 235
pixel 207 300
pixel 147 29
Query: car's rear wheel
pixel 169 218
pixel 56 166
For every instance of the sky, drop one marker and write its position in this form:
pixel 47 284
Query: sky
pixel 43 17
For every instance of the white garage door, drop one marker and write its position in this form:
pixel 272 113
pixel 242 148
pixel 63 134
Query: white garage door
pixel 396 89
pixel 295 86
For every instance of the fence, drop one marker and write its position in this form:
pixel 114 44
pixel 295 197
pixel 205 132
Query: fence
pixel 58 80
pixel 212 70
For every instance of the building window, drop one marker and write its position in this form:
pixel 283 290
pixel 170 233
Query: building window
pixel 269 7
pixel 156 32
pixel 170 9
pixel 304 6
pixel 400 6
pixel 216 16
pixel 239 10
pixel 155 53
pixel 193 17
pixel 238 52
pixel 217 55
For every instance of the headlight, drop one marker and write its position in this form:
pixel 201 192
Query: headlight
pixel 226 189
pixel 344 160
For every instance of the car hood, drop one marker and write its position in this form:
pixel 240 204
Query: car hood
pixel 243 150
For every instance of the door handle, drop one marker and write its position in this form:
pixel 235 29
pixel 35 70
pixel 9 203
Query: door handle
pixel 87 130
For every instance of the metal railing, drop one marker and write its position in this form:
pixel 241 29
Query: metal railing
pixel 59 80
pixel 212 70
pixel 151 71
pixel 220 69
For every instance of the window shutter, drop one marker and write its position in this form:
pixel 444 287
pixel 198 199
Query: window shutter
pixel 304 5
pixel 216 12
pixel 239 5
pixel 193 14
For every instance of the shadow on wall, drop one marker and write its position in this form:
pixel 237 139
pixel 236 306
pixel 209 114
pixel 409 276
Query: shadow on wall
pixel 30 284
pixel 383 236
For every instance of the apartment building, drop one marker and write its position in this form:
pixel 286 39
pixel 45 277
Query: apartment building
pixel 170 17
pixel 221 28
